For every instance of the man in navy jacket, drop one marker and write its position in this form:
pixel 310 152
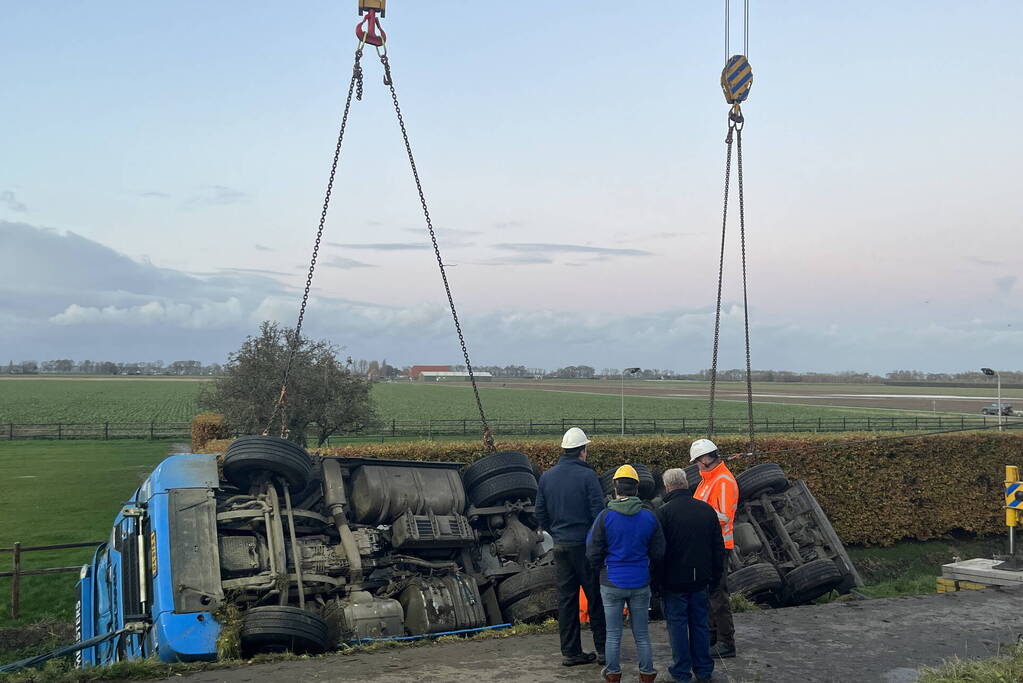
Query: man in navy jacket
pixel 568 500
pixel 625 540
pixel 693 561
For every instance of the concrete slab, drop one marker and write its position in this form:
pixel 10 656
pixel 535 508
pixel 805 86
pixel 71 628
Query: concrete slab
pixel 981 570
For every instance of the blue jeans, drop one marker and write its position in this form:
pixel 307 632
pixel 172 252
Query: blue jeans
pixel 638 600
pixel 686 616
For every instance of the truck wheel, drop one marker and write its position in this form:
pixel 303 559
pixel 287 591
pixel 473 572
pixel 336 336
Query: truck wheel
pixel 647 482
pixel 526 582
pixel 503 487
pixel 693 477
pixel 759 478
pixel 278 628
pixel 250 457
pixel 535 608
pixel 757 581
pixel 494 464
pixel 810 581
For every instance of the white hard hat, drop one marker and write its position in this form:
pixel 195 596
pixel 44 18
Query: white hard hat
pixel 701 447
pixel 574 438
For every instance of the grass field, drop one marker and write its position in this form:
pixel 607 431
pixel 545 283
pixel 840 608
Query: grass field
pixel 147 400
pixel 63 492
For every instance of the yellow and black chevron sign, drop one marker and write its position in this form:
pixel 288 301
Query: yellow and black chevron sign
pixel 737 79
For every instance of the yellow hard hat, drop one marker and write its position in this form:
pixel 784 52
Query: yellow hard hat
pixel 626 472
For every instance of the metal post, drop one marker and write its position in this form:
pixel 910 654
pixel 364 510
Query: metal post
pixel 106 431
pixel 10 434
pixel 15 579
pixel 623 401
pixel 999 378
pixel 59 431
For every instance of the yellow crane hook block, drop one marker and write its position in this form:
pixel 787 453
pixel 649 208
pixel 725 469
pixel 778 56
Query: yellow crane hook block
pixel 375 5
pixel 737 79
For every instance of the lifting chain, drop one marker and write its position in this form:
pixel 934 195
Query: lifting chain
pixel 736 81
pixel 369 31
pixel 296 340
pixel 488 439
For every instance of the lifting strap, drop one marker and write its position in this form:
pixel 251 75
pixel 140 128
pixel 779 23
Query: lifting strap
pixel 736 81
pixel 368 31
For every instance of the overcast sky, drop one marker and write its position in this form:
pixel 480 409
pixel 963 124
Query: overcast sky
pixel 163 166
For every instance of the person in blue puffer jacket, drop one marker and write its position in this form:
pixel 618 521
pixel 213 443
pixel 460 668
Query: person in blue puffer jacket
pixel 623 542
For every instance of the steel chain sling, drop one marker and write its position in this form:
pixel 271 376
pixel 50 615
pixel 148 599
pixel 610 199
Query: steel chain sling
pixel 736 81
pixel 369 31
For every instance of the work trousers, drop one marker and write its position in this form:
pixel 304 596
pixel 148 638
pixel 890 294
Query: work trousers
pixel 574 572
pixel 722 630
pixel 686 617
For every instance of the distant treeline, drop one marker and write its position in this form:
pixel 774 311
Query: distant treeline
pixel 105 367
pixel 383 370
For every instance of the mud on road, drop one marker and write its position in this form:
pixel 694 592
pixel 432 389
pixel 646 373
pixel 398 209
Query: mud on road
pixel 870 640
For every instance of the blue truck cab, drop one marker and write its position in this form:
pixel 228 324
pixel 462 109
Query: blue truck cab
pixel 153 578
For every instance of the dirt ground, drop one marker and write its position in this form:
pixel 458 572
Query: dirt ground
pixel 871 640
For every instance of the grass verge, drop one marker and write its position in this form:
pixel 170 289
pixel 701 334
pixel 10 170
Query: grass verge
pixel 1005 669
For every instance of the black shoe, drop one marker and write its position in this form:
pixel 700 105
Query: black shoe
pixel 601 659
pixel 581 658
pixel 723 651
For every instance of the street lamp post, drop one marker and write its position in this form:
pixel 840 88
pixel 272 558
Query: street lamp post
pixel 989 372
pixel 631 371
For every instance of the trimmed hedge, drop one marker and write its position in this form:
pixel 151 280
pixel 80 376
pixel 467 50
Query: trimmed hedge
pixel 207 427
pixel 874 492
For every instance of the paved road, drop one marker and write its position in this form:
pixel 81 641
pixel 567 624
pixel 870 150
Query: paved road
pixel 871 640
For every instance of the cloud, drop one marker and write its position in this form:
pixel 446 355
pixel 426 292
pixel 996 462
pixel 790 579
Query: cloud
pixel 216 195
pixel 260 247
pixel 514 260
pixel 537 247
pixel 988 263
pixel 506 225
pixel 208 315
pixel 346 263
pixel 8 199
pixel 260 271
pixel 651 237
pixel 1005 283
pixel 153 194
pixel 382 246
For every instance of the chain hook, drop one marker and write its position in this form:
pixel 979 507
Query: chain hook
pixel 369 30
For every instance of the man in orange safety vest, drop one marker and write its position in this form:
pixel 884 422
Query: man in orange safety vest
pixel 718 489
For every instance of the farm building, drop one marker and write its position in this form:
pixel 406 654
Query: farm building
pixel 449 376
pixel 415 370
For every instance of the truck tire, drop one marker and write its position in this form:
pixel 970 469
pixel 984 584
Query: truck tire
pixel 647 481
pixel 760 478
pixel 276 628
pixel 250 457
pixel 757 581
pixel 504 487
pixel 494 464
pixel 526 582
pixel 535 608
pixel 693 477
pixel 810 581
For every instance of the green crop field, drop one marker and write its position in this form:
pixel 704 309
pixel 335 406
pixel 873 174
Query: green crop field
pixel 437 401
pixel 38 401
pixel 92 401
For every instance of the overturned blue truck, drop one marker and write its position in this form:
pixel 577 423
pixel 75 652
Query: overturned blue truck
pixel 312 552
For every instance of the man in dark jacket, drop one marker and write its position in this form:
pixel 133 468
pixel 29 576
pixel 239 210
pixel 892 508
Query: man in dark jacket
pixel 625 540
pixel 568 500
pixel 694 560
